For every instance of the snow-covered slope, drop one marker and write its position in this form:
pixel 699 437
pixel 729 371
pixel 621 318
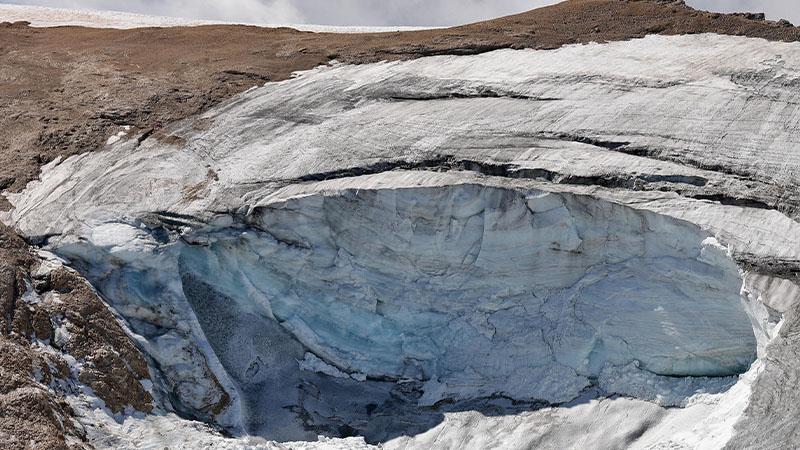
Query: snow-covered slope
pixel 41 16
pixel 480 250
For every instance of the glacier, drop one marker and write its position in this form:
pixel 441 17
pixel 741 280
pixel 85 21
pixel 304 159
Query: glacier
pixel 387 250
pixel 514 293
pixel 448 289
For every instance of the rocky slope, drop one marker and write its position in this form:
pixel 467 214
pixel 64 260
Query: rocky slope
pixel 58 337
pixel 494 248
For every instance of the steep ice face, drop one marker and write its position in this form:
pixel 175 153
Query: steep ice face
pixel 479 291
pixel 393 292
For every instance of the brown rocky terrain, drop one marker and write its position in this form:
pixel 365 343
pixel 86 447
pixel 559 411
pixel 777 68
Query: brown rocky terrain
pixel 48 314
pixel 65 90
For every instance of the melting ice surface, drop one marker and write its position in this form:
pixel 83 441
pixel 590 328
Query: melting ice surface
pixel 473 291
pixel 317 310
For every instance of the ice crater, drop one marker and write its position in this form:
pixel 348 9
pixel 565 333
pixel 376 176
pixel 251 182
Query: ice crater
pixel 469 290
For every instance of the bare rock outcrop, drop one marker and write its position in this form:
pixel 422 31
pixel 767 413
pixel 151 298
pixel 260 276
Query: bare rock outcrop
pixel 52 320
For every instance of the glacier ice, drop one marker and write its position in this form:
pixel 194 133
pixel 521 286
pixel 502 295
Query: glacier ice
pixel 368 250
pixel 464 290
pixel 486 290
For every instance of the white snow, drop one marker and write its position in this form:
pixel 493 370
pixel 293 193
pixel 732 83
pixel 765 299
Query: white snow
pixel 113 139
pixel 41 16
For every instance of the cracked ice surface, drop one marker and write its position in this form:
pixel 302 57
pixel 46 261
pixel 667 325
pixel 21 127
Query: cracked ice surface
pixel 488 291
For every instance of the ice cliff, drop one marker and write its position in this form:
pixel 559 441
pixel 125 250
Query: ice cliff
pixel 380 250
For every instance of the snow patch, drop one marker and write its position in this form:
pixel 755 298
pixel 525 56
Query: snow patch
pixel 41 16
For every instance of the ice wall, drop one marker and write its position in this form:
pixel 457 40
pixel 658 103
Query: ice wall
pixel 481 291
pixel 457 291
